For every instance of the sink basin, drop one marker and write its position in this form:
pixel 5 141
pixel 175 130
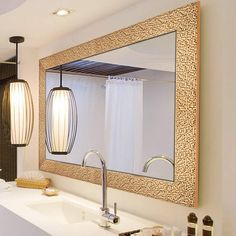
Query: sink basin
pixel 64 211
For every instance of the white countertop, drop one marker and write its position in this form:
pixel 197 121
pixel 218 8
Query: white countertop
pixel 17 199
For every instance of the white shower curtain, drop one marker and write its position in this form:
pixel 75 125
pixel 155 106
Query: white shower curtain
pixel 123 123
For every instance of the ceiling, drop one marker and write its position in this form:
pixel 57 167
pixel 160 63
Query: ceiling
pixel 34 20
pixel 9 5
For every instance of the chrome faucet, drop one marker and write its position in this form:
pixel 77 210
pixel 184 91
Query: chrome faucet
pixel 107 217
pixel 156 158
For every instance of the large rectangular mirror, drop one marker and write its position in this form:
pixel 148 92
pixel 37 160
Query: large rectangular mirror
pixel 126 107
pixel 137 93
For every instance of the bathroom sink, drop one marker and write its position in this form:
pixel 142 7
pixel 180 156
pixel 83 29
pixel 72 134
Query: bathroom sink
pixel 64 211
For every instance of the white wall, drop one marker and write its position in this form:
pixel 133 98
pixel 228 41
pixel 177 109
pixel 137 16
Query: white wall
pixel 218 129
pixel 229 118
pixel 27 158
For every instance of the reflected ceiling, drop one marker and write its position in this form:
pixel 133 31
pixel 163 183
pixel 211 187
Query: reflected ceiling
pixel 96 68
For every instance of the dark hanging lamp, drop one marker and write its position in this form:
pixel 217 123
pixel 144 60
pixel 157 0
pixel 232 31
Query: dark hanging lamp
pixel 61 120
pixel 21 106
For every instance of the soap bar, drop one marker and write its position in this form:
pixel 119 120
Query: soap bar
pixel 50 191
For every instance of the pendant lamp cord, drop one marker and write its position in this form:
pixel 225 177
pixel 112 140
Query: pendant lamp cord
pixel 60 75
pixel 16 60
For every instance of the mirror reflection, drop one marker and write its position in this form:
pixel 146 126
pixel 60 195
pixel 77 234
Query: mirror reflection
pixel 125 103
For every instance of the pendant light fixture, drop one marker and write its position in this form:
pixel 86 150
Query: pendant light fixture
pixel 21 106
pixel 61 120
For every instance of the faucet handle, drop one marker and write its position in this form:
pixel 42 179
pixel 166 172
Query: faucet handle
pixel 115 208
pixel 112 218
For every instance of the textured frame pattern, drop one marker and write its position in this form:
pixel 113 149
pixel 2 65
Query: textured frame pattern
pixel 184 190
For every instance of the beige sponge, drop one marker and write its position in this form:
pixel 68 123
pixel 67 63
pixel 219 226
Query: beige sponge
pixel 28 183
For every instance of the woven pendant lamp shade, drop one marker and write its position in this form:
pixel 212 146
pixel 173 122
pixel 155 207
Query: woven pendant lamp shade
pixel 21 106
pixel 61 120
pixel 22 114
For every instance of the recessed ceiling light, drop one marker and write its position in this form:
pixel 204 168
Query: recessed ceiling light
pixel 62 12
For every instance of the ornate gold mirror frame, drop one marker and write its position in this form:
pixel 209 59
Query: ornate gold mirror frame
pixel 185 22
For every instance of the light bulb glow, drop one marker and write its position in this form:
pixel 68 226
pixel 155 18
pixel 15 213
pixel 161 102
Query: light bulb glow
pixel 62 12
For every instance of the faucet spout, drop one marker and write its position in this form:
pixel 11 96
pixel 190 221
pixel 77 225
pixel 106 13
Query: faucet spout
pixel 107 217
pixel 104 175
pixel 156 158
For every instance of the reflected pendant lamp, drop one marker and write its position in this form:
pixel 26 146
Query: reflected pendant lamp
pixel 21 106
pixel 61 120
